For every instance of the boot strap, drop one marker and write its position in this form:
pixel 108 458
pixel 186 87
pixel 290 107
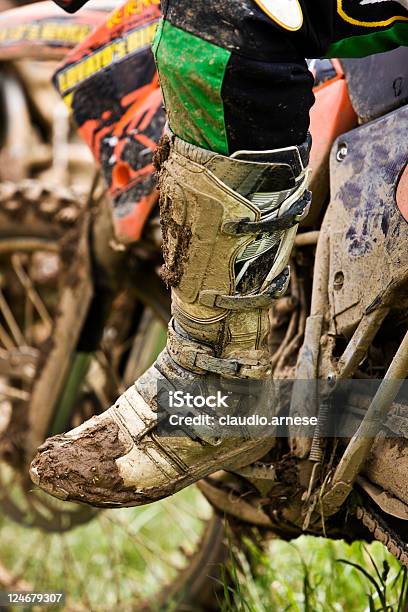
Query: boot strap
pixel 273 291
pixel 291 217
pixel 201 359
pixel 297 156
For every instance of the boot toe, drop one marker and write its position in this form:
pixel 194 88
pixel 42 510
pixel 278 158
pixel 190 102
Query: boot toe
pixel 83 467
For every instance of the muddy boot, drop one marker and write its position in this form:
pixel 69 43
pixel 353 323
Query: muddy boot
pixel 228 228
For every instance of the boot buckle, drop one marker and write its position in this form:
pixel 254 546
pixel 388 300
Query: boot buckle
pixel 274 290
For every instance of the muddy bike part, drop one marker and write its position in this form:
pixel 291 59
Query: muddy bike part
pixel 361 444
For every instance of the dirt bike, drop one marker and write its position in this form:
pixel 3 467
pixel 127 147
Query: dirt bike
pixel 344 316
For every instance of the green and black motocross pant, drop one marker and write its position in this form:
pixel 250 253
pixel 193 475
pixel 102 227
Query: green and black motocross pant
pixel 233 72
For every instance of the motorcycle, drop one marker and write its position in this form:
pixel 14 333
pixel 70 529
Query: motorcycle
pixel 343 319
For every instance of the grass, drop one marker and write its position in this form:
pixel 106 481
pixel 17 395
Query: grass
pixel 313 575
pixel 103 564
pixel 119 557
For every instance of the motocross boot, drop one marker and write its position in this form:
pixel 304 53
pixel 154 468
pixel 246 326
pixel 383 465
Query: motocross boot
pixel 229 225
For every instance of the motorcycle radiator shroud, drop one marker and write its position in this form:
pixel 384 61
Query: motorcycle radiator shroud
pixel 368 236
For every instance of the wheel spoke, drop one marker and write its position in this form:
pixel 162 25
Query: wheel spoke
pixel 12 393
pixel 103 360
pixel 28 316
pixel 10 320
pixel 6 340
pixel 32 294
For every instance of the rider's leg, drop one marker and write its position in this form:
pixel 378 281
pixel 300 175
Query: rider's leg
pixel 228 225
pixel 233 175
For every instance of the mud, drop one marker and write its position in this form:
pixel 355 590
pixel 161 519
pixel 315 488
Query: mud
pixel 176 242
pixel 222 338
pixel 176 238
pixel 287 471
pixel 84 469
pixel 172 275
pixel 387 465
pixel 162 153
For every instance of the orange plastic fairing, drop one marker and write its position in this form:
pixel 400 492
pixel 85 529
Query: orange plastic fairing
pixel 331 115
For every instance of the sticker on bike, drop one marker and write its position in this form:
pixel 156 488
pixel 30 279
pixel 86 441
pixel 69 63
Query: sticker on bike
pixel 286 13
pixel 372 13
